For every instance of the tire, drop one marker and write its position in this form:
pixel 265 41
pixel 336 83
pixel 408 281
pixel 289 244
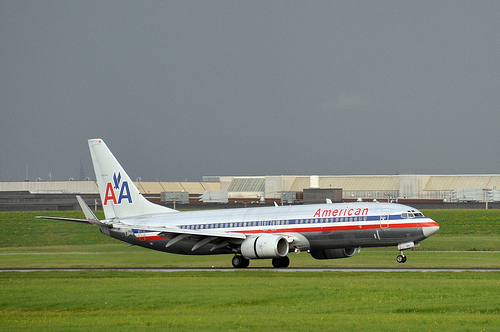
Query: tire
pixel 401 258
pixel 240 262
pixel 246 262
pixel 281 262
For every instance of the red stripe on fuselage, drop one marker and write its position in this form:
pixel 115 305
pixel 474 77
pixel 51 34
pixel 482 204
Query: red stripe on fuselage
pixel 150 237
pixel 315 228
pixel 351 227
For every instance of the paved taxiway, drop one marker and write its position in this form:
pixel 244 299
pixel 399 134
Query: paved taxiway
pixel 228 269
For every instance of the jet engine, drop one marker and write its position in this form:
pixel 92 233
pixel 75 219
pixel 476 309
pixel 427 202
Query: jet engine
pixel 333 253
pixel 265 246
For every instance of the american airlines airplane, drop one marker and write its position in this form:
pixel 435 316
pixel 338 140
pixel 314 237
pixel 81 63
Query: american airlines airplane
pixel 326 231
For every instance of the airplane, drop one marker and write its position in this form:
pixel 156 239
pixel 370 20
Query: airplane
pixel 326 231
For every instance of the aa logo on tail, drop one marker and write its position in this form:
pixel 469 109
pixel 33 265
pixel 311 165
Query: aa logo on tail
pixel 117 187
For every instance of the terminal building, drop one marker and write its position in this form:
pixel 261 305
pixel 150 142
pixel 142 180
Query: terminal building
pixel 282 189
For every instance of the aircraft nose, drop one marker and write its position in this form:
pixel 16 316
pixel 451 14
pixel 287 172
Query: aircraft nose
pixel 429 230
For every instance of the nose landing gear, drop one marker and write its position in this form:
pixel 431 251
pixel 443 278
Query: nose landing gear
pixel 403 246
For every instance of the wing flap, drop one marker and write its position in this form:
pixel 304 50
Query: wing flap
pixel 220 245
pixel 176 239
pixel 202 233
pixel 202 242
pixel 218 240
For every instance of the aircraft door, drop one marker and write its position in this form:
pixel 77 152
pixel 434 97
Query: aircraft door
pixel 384 218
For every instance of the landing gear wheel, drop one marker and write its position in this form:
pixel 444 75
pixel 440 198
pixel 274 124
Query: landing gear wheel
pixel 240 262
pixel 281 262
pixel 401 258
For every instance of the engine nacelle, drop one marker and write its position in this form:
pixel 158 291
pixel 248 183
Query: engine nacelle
pixel 333 253
pixel 265 246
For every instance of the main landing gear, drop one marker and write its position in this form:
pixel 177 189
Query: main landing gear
pixel 281 262
pixel 240 262
pixel 401 258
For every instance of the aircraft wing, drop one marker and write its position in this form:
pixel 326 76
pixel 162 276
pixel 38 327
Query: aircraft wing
pixel 229 235
pixel 216 239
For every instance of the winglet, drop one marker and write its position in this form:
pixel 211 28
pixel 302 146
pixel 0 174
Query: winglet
pixel 91 218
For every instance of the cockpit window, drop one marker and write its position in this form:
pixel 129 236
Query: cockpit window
pixel 411 214
pixel 417 213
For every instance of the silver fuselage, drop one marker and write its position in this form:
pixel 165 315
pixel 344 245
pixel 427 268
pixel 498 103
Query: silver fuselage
pixel 312 227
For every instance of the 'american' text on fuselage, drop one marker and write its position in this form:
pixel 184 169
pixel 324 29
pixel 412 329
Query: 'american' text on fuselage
pixel 341 212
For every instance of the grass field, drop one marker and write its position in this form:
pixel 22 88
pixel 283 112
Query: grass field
pixel 245 300
pixel 467 238
pixel 25 231
pixel 249 300
pixel 119 255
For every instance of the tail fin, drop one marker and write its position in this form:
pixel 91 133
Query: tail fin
pixel 119 196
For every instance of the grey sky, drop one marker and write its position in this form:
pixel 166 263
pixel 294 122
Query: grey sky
pixel 182 89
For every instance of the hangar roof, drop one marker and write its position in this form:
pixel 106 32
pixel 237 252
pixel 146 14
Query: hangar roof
pixel 190 187
pixel 361 182
pixel 248 184
pixel 300 183
pixel 90 187
pixel 149 187
pixel 377 182
pixel 66 187
pixel 273 184
pixel 452 182
pixel 193 187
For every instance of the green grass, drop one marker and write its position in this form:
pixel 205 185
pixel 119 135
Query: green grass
pixel 466 222
pixel 35 242
pixel 120 255
pixel 245 300
pixel 24 230
pixel 464 231
pixel 249 300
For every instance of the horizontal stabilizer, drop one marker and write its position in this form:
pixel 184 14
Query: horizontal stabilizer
pixel 91 218
pixel 85 221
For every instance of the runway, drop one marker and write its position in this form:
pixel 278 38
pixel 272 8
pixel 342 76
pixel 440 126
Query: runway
pixel 228 269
